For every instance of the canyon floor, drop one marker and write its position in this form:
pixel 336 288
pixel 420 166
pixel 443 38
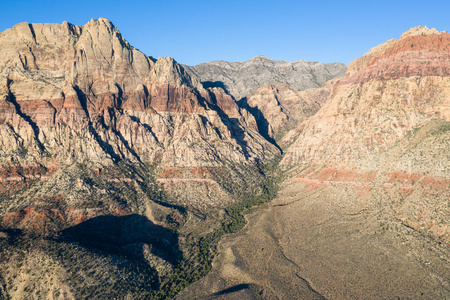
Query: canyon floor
pixel 328 241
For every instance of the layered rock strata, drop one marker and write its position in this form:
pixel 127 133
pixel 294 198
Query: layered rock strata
pixel 278 108
pixel 83 94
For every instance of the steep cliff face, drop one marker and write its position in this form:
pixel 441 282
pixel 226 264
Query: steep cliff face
pixel 385 132
pixel 59 80
pixel 83 94
pixel 241 79
pixel 394 88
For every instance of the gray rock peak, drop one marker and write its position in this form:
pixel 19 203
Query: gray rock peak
pixel 241 79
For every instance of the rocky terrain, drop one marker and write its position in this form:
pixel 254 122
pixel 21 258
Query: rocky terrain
pixel 241 79
pixel 363 211
pixel 123 176
pixel 83 94
pixel 92 128
pixel 377 104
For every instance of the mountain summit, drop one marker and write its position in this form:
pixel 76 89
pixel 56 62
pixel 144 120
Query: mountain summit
pixel 89 79
pixel 395 87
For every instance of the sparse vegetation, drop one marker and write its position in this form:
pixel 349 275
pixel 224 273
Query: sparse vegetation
pixel 129 270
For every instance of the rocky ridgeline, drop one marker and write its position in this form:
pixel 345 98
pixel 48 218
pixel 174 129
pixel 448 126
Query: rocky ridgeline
pixel 87 83
pixel 93 129
pixel 241 79
pixel 390 116
pixel 367 185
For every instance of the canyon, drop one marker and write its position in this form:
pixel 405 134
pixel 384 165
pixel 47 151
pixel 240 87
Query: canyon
pixel 138 173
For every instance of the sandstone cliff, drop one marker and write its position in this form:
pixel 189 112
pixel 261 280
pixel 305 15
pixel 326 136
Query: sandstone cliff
pixel 102 145
pixel 88 76
pixel 385 131
pixel 83 94
pixel 241 79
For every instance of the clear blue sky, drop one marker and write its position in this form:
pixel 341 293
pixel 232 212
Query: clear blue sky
pixel 199 31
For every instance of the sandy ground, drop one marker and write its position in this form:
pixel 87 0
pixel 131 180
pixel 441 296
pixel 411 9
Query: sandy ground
pixel 331 243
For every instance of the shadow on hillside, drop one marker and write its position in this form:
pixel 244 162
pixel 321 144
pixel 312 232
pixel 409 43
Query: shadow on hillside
pixel 233 289
pixel 237 132
pixel 126 235
pixel 11 235
pixel 216 84
pixel 261 121
pixel 243 290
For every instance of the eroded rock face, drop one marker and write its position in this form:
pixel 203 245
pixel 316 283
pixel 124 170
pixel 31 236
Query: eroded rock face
pixel 394 88
pixel 241 79
pixel 82 92
pixel 81 97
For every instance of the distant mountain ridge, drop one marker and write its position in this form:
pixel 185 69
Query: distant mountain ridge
pixel 241 79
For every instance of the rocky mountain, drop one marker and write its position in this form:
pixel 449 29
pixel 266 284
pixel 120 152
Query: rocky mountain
pixel 396 87
pixel 82 93
pixel 241 79
pixel 121 174
pixel 100 145
pixel 364 205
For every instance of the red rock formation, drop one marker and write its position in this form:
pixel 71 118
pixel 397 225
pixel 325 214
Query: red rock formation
pixel 76 97
pixel 62 81
pixel 383 133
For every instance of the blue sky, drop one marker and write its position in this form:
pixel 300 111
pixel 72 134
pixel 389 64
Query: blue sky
pixel 199 31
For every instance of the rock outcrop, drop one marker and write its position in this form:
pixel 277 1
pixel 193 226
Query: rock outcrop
pixel 241 79
pixel 387 118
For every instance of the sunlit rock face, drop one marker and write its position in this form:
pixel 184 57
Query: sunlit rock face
pixel 83 94
pixel 88 82
pixel 395 87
